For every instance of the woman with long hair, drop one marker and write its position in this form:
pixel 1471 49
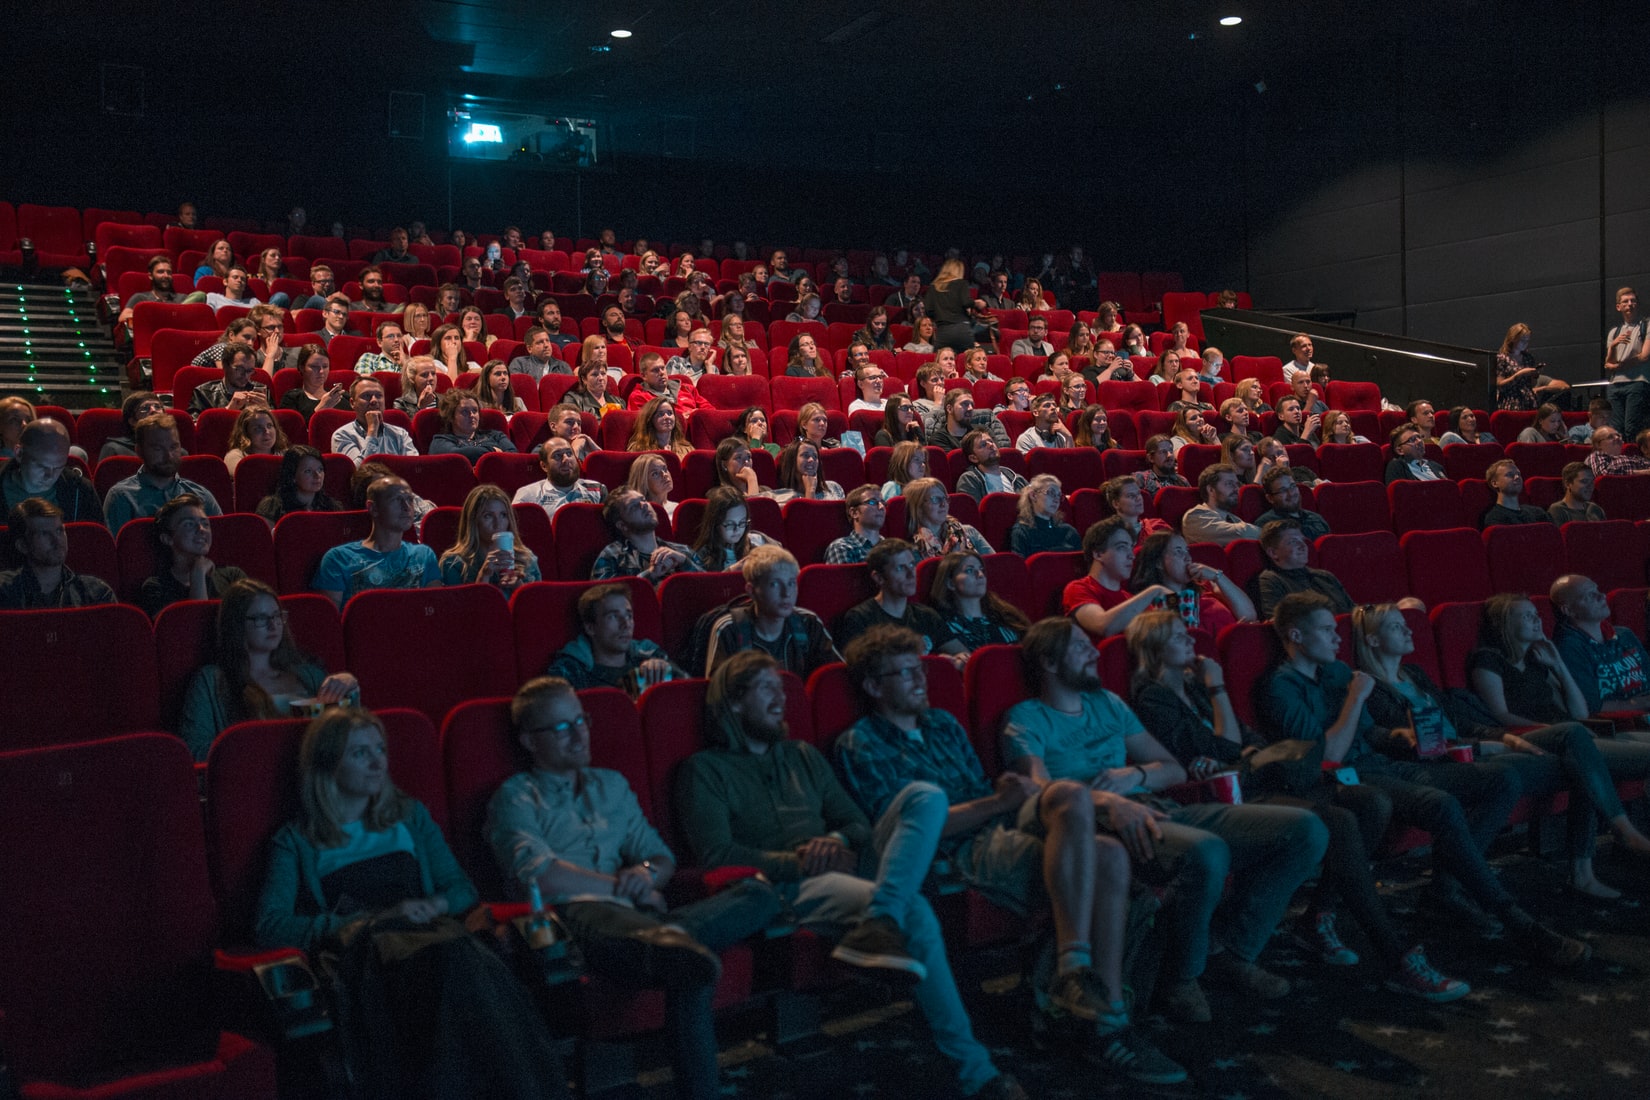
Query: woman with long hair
pixel 461 431
pixel 752 427
pixel 908 463
pixel 1516 370
pixel 1031 298
pixel 1252 394
pixel 217 260
pixel 1337 428
pixel 901 422
pixel 1074 393
pixel 948 302
pixel 239 331
pixel 300 485
pixel 1205 597
pixel 1548 427
pixel 472 323
pixel 808 308
pixel 419 388
pixel 1190 427
pixel 312 392
pixel 1055 367
pixel 733 466
pixel 1105 319
pixel 1127 499
pixel 1079 341
pixel 976 615
pixel 733 334
pixel 1093 429
pixel 1181 700
pixel 256 432
pixel 258 670
pixel 493 390
pixel 594 350
pixel 679 326
pixel 1461 426
pixel 1237 452
pixel 447 349
pixel 659 429
pixel 799 477
pixel 932 529
pixel 725 534
pixel 1041 524
pixel 650 476
pixel 182 537
pixel 803 360
pixel 364 870
pixel 478 555
pixel 1134 344
pixel 737 362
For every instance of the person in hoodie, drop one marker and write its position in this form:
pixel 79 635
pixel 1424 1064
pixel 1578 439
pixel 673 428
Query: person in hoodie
pixel 755 798
pixel 607 652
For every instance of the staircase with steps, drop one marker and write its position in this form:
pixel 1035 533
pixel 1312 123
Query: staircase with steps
pixel 53 351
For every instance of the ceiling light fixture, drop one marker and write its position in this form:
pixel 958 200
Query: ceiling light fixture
pixel 1231 20
pixel 621 33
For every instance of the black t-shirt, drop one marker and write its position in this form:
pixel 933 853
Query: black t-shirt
pixel 1531 691
pixel 863 616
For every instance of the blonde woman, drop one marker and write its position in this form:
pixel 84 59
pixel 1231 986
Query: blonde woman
pixel 418 385
pixel 256 432
pixel 415 322
pixel 932 529
pixel 650 476
pixel 478 554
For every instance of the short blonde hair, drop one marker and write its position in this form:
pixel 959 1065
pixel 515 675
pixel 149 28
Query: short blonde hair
pixel 766 560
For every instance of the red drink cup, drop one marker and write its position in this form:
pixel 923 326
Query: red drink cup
pixel 1460 753
pixel 1225 788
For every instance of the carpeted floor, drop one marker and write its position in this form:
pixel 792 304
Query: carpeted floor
pixel 1522 1032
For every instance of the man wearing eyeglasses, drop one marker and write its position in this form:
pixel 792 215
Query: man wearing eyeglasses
pixel 700 359
pixel 321 287
pixel 335 319
pixel 268 340
pixel 866 511
pixel 579 835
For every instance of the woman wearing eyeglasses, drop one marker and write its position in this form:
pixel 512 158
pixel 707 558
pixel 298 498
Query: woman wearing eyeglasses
pixel 725 534
pixel 260 671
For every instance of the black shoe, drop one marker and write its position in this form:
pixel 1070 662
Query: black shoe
pixel 673 959
pixel 1446 898
pixel 1133 1055
pixel 1002 1087
pixel 878 943
pixel 1546 946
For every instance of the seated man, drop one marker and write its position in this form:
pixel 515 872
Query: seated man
pixel 1607 662
pixel 1188 391
pixel 567 422
pixel 235 390
pixel 1576 505
pixel 1215 519
pixel 1012 842
pixel 893 567
pixel 1100 602
pixel 1409 458
pixel 1160 468
pixel 44 581
pixel 234 291
pixel 1284 495
pixel 1311 404
pixel 550 320
pixel 41 469
pixel 1598 416
pixel 791 635
pixel 1300 361
pixel 562 483
pixel 384 559
pixel 397 252
pixel 1424 420
pixel 1035 341
pixel 1286 549
pixel 372 294
pixel 157 481
pixel 540 358
pixel 931 383
pixel 951 425
pixel 1047 430
pixel 1294 426
pixel 700 358
pixel 392 350
pixel 607 652
pixel 321 287
pixel 1609 459
pixel 160 288
pixel 576 836
pixel 335 319
pixel 369 433
pixel 985 473
pixel 636 549
pixel 657 383
pixel 1076 730
pixel 756 798
pixel 866 511
pixel 1508 485
pixel 1312 696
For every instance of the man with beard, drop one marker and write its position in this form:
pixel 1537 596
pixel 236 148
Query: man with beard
pixel 636 549
pixel 235 390
pixel 562 483
pixel 157 481
pixel 160 288
pixel 372 294
pixel 44 581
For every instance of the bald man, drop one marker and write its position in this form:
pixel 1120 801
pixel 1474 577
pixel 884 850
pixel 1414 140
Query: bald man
pixel 41 469
pixel 1608 661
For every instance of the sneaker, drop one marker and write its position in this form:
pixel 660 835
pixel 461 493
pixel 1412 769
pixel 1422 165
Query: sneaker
pixel 1447 899
pixel 1416 976
pixel 877 943
pixel 1325 942
pixel 1544 945
pixel 1071 994
pixel 1184 1003
pixel 1132 1054
pixel 1246 977
pixel 1002 1087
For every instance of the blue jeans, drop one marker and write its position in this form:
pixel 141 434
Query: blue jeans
pixel 1628 412
pixel 1455 850
pixel 1269 849
pixel 903 845
pixel 602 930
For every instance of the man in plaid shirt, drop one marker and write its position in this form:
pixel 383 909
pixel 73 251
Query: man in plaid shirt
pixel 1608 457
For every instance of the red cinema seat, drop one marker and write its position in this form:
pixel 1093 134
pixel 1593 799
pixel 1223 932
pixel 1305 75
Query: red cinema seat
pixel 994 680
pixel 303 538
pixel 1369 565
pixel 1445 566
pixel 56 232
pixel 107 967
pixel 37 646
pixel 1623 497
pixel 837 702
pixel 444 479
pixel 1612 552
pixel 1455 635
pixel 736 392
pixel 1526 557
pixel 1343 462
pixel 793 393
pixel 1354 396
pixel 1470 461
pixel 683 598
pixel 580 534
pixel 1247 651
pixel 1047 575
pixel 1353 507
pixel 1174 501
pixel 1193 458
pixel 1076 467
pixel 1426 506
pixel 507 470
pixel 1128 396
pixel 1267 368
pixel 829 590
pixel 812 525
pixel 1538 459
pixel 1627 609
pixel 546 618
pixel 385 630
pixel 149 318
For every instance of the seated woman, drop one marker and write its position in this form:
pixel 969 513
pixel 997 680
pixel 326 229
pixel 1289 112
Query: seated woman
pixel 259 672
pixel 1252 393
pixel 1190 427
pixel 1181 700
pixel 492 389
pixel 974 614
pixel 737 362
pixel 908 463
pixel 182 536
pixel 932 529
pixel 590 394
pixel 733 466
pixel 1238 418
pixel 679 326
pixel 364 870
pixel 798 477
pixel 299 485
pixel 1337 428
pixel 139 405
pixel 1237 452
pixel 1520 678
pixel 659 429
pixel 803 360
pixel 487 548
pixel 1461 426
pixel 1204 597
pixel 312 392
pixel 461 431
pixel 870 379
pixel 1074 393
pixel 256 432
pixel 594 351
pixel 752 427
pixel 807 309
pixel 901 422
pixel 1031 297
pixel 1548 427
pixel 814 426
pixel 1134 345
pixel 415 323
pixel 1056 367
pixel 1079 341
pixel 650 476
pixel 473 324
pixel 447 349
pixel 1270 453
pixel 725 534
pixel 922 337
pixel 239 331
pixel 733 335
pixel 1093 429
pixel 878 337
pixel 418 385
pixel 1042 525
pixel 1127 499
